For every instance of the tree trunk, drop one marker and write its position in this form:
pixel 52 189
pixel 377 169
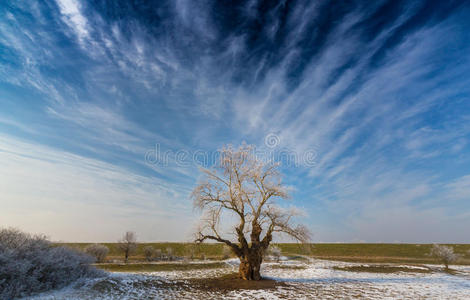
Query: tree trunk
pixel 250 267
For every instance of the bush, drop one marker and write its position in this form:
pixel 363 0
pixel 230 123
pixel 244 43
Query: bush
pixel 149 251
pixel 226 252
pixel 30 264
pixel 275 252
pixel 169 253
pixel 444 254
pixel 98 251
pixel 158 254
pixel 189 251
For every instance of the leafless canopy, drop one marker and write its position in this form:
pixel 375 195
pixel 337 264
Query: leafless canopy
pixel 248 188
pixel 98 251
pixel 149 251
pixel 445 254
pixel 128 244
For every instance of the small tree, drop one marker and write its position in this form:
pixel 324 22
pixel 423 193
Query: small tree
pixel 98 251
pixel 158 253
pixel 444 254
pixel 245 188
pixel 128 244
pixel 190 251
pixel 275 252
pixel 169 252
pixel 226 252
pixel 149 252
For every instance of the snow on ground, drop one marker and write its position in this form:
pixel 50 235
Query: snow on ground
pixel 313 280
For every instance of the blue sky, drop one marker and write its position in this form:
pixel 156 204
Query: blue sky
pixel 377 92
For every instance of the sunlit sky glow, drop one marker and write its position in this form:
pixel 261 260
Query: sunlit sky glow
pixel 378 90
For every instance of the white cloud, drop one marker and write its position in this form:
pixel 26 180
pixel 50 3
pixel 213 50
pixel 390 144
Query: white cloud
pixel 73 17
pixel 73 198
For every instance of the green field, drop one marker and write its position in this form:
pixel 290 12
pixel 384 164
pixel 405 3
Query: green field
pixel 380 253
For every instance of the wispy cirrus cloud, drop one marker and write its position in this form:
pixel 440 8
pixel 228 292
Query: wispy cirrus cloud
pixel 379 91
pixel 73 17
pixel 459 189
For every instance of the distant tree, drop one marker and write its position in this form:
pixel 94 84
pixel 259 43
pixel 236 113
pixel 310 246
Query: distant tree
pixel 128 244
pixel 190 251
pixel 149 252
pixel 245 188
pixel 158 253
pixel 444 254
pixel 275 252
pixel 169 253
pixel 98 251
pixel 226 252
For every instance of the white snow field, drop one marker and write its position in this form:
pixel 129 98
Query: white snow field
pixel 313 280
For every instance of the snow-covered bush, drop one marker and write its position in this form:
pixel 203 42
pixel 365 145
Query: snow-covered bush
pixel 444 254
pixel 98 251
pixel 30 264
pixel 275 252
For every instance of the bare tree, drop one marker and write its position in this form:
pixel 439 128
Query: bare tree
pixel 444 254
pixel 169 252
pixel 226 252
pixel 128 244
pixel 158 254
pixel 98 251
pixel 247 189
pixel 149 251
pixel 190 250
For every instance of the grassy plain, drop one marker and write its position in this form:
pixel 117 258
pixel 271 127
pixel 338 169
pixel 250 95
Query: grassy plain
pixel 156 267
pixel 360 252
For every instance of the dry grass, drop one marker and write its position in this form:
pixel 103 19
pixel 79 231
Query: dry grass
pixel 288 267
pixel 373 253
pixel 362 253
pixel 156 267
pixel 207 250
